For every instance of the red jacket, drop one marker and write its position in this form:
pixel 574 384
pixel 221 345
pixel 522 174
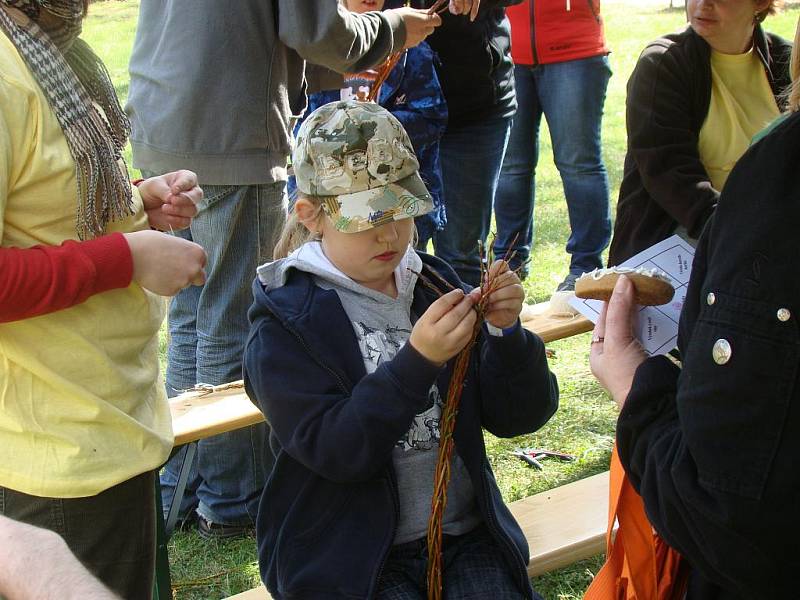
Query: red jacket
pixel 545 31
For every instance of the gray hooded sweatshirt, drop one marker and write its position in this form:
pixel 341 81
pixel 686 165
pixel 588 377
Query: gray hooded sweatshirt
pixel 214 85
pixel 382 325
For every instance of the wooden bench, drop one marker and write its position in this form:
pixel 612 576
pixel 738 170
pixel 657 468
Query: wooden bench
pixel 203 413
pixel 562 525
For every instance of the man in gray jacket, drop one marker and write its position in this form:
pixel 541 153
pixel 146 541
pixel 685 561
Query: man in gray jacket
pixel 214 88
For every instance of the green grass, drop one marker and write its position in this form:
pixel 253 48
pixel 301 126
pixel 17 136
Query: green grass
pixel 584 424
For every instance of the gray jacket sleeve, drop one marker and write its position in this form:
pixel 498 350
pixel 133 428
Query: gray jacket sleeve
pixel 325 33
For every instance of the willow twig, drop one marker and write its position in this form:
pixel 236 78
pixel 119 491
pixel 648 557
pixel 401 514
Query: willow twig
pixel 441 478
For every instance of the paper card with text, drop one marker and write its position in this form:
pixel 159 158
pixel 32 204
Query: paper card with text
pixel 657 326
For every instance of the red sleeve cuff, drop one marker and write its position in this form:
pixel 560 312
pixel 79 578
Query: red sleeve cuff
pixel 111 257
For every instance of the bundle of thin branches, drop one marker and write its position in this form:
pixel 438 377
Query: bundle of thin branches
pixel 391 62
pixel 446 427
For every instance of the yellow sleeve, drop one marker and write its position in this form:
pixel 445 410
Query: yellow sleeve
pixel 18 132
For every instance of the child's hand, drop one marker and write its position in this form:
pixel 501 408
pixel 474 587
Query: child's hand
pixel 445 328
pixel 505 302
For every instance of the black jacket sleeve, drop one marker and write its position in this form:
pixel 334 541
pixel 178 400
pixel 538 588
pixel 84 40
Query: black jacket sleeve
pixel 663 125
pixel 519 394
pixel 713 448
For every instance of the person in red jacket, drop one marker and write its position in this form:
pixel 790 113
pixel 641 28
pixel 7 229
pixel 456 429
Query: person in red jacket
pixel 560 70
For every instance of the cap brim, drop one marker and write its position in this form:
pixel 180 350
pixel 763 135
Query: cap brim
pixel 359 211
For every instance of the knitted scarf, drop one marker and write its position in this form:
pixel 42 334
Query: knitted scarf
pixel 75 82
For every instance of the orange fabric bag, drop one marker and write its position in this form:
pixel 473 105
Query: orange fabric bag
pixel 639 564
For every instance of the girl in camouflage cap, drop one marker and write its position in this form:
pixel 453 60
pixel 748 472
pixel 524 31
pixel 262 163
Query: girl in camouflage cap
pixel 349 358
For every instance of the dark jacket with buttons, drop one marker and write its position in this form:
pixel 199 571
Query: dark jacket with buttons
pixel 714 448
pixel 664 183
pixel 328 514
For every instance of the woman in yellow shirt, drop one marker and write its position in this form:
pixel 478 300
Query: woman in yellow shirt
pixel 695 100
pixel 83 420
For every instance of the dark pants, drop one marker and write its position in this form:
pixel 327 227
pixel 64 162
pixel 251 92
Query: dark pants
pixel 472 567
pixel 471 156
pixel 112 533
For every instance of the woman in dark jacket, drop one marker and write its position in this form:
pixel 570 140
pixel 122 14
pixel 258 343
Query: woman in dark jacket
pixel 713 447
pixel 695 99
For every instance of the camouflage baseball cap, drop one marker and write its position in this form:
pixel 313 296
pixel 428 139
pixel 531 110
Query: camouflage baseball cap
pixel 360 157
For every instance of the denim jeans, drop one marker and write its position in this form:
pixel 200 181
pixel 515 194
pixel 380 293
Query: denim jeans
pixel 113 533
pixel 472 567
pixel 571 95
pixel 238 227
pixel 471 157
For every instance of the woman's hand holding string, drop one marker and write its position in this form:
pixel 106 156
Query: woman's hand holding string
pixel 170 200
pixel 418 24
pixel 165 264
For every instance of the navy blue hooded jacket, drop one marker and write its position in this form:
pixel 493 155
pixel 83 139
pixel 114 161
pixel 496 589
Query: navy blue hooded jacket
pixel 328 514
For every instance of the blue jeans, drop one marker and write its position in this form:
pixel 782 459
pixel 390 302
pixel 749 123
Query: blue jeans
pixel 472 567
pixel 571 95
pixel 238 227
pixel 471 157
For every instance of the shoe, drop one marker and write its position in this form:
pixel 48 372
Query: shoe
pixel 559 301
pixel 568 285
pixel 221 531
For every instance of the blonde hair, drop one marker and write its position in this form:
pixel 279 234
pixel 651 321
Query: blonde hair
pixel 295 233
pixel 793 93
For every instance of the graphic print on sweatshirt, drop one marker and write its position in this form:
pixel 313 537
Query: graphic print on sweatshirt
pixel 382 344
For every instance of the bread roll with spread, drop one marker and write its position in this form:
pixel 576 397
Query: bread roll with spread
pixel 652 286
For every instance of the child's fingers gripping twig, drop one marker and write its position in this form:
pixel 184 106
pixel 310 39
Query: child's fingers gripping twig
pixel 445 328
pixel 503 301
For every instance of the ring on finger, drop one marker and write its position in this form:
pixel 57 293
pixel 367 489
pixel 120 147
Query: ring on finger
pixel 598 339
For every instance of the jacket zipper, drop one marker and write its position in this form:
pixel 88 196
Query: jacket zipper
pixel 348 390
pixel 532 12
pixel 396 502
pixel 494 528
pixel 307 348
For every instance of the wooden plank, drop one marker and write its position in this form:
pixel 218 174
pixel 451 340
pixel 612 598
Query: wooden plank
pixel 562 525
pixel 198 415
pixel 565 524
pixel 259 593
pixel 550 326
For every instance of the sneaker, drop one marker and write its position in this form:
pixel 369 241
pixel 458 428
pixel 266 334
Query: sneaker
pixel 568 285
pixel 559 301
pixel 221 531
